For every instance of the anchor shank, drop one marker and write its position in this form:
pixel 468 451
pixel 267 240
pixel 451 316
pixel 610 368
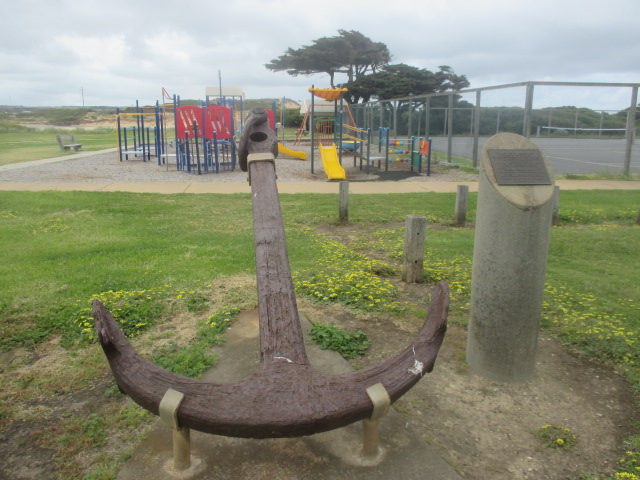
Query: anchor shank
pixel 280 331
pixel 281 338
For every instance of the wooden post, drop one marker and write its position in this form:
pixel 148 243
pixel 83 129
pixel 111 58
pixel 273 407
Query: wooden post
pixel 344 203
pixel 555 215
pixel 462 195
pixel 414 240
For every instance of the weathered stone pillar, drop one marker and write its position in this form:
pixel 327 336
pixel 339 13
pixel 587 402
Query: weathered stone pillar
pixel 513 225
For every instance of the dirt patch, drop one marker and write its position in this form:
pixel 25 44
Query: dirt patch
pixel 484 428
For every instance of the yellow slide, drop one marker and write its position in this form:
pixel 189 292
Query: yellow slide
pixel 291 153
pixel 331 164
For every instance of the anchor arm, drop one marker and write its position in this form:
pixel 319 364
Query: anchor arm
pixel 287 400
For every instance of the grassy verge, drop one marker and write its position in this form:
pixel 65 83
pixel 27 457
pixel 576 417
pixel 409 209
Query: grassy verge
pixel 168 268
pixel 24 144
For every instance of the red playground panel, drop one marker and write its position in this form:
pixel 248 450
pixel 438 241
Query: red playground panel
pixel 186 118
pixel 219 120
pixel 210 120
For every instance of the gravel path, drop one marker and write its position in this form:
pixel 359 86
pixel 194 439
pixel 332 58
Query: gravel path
pixel 105 167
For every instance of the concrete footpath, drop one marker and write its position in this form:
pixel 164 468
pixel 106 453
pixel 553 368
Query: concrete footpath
pixel 329 455
pixel 330 187
pixel 292 187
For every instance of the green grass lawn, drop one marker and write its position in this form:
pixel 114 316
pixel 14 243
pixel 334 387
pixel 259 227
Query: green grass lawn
pixel 60 249
pixel 22 144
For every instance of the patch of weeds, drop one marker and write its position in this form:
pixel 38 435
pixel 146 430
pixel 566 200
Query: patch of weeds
pixel 626 476
pixel 135 311
pixel 216 324
pixel 347 277
pixel 196 302
pixel 104 472
pixel 190 361
pixel 6 215
pixel 589 476
pixel 596 216
pixel 580 321
pixel 554 436
pixel 113 391
pixel 133 416
pixel 53 225
pixel 193 359
pixel 630 463
pixel 94 427
pixel 402 410
pixel 346 343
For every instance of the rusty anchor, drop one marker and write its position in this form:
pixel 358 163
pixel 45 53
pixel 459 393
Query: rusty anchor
pixel 286 397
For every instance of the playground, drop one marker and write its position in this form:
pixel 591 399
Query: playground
pixel 202 139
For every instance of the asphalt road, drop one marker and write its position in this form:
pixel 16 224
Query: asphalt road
pixel 567 155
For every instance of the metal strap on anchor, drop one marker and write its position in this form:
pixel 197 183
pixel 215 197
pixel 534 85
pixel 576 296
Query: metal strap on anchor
pixel 259 157
pixel 169 408
pixel 380 399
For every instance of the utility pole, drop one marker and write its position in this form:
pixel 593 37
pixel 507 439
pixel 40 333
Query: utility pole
pixel 82 93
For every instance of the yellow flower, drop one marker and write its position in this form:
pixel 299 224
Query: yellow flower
pixel 560 441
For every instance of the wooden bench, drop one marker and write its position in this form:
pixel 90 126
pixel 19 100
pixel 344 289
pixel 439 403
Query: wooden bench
pixel 68 142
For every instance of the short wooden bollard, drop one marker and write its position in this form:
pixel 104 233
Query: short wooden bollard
pixel 462 195
pixel 344 202
pixel 555 215
pixel 414 240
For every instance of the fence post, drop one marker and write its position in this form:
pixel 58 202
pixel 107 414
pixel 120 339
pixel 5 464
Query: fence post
pixel 528 107
pixel 631 130
pixel 344 202
pixel 462 194
pixel 414 240
pixel 476 130
pixel 449 127
pixel 427 117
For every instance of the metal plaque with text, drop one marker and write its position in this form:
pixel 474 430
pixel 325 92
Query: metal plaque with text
pixel 519 167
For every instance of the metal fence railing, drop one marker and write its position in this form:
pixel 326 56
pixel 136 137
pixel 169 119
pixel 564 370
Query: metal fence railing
pixel 582 127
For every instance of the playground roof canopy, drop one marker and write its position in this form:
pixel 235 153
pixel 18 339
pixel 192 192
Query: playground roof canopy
pixel 328 93
pixel 226 92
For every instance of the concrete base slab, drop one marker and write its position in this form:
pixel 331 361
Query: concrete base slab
pixel 334 454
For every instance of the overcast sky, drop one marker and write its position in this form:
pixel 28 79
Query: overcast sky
pixel 116 51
